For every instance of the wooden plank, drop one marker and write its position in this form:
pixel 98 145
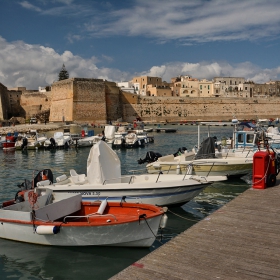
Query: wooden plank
pixel 238 241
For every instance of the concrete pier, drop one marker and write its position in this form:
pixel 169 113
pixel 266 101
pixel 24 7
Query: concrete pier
pixel 241 240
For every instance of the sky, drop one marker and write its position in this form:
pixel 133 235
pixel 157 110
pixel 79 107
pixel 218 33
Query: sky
pixel 119 39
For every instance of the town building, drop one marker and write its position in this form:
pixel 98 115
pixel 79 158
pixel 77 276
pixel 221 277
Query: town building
pixel 140 83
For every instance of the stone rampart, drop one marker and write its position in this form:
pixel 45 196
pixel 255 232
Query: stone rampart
pixel 4 102
pixel 178 109
pixel 79 99
pixel 34 103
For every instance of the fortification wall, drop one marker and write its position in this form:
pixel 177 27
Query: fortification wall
pixel 4 102
pixel 113 101
pixel 80 100
pixel 34 103
pixel 189 109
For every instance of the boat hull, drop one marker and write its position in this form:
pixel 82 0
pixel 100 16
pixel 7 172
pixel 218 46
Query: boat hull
pixel 133 234
pixel 161 193
pixel 205 169
pixel 8 145
pixel 71 222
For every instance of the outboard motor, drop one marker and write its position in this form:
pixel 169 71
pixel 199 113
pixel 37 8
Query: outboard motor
pixel 180 151
pixel 150 157
pixel 24 143
pixel 52 145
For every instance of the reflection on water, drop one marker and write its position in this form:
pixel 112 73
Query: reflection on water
pixel 27 261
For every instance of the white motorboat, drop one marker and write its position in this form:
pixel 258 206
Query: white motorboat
pixel 133 141
pixel 104 180
pixel 30 141
pixel 45 217
pixel 88 141
pixel 59 140
pixel 235 161
pixel 212 166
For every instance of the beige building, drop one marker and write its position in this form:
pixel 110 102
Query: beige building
pixel 140 83
pixel 163 90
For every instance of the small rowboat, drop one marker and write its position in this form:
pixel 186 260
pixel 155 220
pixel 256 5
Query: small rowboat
pixel 43 217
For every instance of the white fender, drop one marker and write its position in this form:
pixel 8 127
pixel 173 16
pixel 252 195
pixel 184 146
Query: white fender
pixel 47 230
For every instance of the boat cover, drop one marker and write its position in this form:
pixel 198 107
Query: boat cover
pixel 103 164
pixel 110 131
pixel 273 130
pixel 207 149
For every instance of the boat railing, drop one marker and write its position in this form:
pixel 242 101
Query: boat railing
pixel 95 215
pixel 122 178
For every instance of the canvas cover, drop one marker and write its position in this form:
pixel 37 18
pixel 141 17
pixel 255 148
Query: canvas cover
pixel 207 149
pixel 273 130
pixel 109 131
pixel 103 165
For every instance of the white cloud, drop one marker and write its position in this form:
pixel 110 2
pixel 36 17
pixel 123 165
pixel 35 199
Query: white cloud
pixel 31 66
pixel 191 21
pixel 27 5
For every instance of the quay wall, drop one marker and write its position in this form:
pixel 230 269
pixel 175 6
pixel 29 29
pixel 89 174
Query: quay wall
pixel 176 109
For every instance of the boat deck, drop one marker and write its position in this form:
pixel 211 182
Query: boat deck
pixel 238 241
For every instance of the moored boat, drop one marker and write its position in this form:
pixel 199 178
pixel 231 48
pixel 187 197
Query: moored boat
pixel 104 180
pixel 9 142
pixel 46 218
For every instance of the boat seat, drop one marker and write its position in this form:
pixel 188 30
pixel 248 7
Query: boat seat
pixel 166 158
pixel 77 178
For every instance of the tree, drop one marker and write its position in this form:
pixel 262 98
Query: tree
pixel 63 74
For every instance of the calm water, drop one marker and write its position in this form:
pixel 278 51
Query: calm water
pixel 27 261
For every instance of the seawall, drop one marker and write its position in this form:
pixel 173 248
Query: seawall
pixel 178 109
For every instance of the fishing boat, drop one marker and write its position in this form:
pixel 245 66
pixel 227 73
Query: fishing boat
pixel 9 142
pixel 44 217
pixel 104 180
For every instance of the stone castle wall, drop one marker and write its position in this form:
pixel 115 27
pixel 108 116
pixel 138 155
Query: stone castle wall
pixel 4 102
pixel 188 109
pixel 34 103
pixel 80 100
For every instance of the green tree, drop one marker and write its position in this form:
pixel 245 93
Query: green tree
pixel 63 74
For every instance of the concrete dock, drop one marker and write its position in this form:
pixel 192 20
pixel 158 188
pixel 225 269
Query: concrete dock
pixel 241 240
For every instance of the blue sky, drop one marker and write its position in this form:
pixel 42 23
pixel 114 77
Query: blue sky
pixel 118 39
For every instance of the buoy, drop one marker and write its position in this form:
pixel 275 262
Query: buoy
pixel 163 221
pixel 47 230
pixel 102 207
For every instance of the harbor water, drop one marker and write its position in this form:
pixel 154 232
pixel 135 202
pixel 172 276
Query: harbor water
pixel 28 261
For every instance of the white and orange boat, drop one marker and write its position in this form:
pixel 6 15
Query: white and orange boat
pixel 43 217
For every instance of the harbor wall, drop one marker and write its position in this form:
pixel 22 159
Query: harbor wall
pixel 177 109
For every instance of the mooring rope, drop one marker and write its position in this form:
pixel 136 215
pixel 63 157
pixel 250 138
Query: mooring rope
pixel 183 217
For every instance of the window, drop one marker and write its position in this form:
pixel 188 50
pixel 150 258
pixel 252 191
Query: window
pixel 200 87
pixel 240 138
pixel 208 87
